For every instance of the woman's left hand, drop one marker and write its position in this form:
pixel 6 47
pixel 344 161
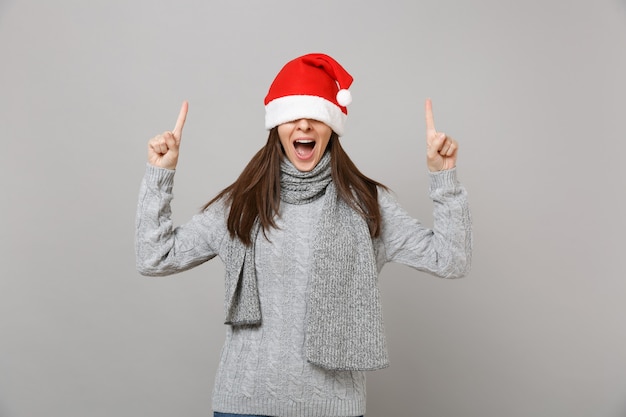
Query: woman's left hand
pixel 441 149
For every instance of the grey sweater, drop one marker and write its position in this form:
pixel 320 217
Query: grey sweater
pixel 262 368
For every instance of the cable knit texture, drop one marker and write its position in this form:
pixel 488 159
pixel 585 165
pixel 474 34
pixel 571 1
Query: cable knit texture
pixel 263 369
pixel 344 328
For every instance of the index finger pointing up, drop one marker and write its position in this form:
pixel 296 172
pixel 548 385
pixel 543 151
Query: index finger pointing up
pixel 182 116
pixel 430 121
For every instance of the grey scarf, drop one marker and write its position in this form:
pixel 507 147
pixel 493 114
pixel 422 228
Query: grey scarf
pixel 344 329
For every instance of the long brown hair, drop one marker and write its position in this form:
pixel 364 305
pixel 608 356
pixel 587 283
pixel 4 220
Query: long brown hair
pixel 256 193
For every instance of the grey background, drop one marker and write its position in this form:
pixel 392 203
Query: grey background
pixel 533 90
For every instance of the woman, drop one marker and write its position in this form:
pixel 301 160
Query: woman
pixel 303 235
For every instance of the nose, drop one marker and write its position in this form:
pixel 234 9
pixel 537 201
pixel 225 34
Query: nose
pixel 303 124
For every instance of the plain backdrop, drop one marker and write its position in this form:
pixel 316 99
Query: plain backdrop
pixel 534 91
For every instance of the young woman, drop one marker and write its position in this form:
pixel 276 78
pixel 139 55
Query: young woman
pixel 303 235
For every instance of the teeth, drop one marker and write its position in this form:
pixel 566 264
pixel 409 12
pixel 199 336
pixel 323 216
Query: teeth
pixel 304 141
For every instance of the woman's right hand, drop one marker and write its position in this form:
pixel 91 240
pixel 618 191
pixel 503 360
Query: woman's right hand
pixel 163 148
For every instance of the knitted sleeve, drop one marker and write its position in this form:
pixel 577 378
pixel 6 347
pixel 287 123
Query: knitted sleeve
pixel 446 249
pixel 162 249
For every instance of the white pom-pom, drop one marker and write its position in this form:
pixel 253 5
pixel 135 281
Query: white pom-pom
pixel 344 98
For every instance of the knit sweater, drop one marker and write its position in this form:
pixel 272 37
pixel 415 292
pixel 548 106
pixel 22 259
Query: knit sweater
pixel 262 368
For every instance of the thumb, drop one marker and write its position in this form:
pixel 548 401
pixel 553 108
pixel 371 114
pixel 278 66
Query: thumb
pixel 435 144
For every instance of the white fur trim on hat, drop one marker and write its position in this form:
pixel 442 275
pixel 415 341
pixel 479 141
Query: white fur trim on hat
pixel 290 108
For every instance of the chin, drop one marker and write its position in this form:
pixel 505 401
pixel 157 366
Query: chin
pixel 304 166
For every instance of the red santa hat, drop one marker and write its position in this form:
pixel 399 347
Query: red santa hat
pixel 312 86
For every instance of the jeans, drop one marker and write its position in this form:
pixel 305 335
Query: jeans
pixel 218 414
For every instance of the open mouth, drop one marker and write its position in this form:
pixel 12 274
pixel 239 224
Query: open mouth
pixel 304 148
